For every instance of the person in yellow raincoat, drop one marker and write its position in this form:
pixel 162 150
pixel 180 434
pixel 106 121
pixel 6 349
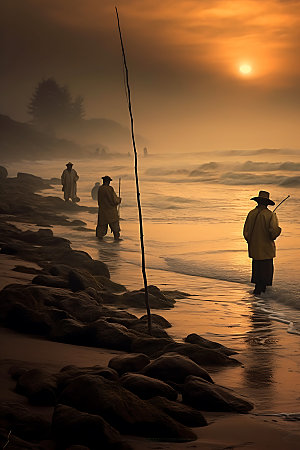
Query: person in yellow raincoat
pixel 108 212
pixel 261 228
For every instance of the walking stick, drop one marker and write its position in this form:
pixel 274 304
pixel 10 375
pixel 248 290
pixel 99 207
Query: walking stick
pixel 281 203
pixel 136 180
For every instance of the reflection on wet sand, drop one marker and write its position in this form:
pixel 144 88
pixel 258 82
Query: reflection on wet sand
pixel 258 374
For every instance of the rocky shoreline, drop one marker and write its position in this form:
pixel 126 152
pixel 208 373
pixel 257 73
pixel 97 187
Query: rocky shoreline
pixel 157 388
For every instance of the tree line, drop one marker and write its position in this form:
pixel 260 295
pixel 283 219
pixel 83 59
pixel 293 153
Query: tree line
pixel 52 107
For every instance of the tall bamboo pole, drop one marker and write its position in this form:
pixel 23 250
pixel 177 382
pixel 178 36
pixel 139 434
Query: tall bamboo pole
pixel 136 180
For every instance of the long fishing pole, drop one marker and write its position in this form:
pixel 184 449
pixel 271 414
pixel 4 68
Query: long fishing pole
pixel 136 180
pixel 281 203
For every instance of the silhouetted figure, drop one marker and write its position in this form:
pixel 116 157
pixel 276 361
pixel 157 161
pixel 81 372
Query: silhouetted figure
pixel 145 151
pixel 260 230
pixel 69 178
pixel 94 191
pixel 108 213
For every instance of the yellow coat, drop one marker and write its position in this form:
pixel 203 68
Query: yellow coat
pixel 107 201
pixel 260 230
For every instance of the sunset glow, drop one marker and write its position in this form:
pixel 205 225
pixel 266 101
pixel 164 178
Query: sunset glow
pixel 245 69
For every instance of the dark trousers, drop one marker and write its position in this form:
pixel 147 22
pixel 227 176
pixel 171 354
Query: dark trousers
pixel 262 274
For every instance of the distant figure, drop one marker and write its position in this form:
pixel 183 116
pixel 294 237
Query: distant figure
pixel 94 191
pixel 145 151
pixel 260 230
pixel 108 213
pixel 69 178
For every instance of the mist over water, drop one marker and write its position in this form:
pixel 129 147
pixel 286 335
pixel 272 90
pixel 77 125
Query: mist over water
pixel 194 207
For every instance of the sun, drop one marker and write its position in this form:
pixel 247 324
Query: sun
pixel 245 69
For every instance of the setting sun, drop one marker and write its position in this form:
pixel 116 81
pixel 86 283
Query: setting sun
pixel 245 69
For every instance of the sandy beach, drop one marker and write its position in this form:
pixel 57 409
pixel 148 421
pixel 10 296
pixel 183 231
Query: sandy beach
pixel 224 431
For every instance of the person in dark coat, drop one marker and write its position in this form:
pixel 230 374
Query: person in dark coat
pixel 108 212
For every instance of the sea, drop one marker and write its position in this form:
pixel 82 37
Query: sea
pixel 193 207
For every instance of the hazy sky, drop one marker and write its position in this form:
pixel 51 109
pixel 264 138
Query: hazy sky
pixel 184 59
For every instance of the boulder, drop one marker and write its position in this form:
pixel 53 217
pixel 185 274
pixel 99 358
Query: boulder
pixel 38 386
pixel 27 320
pixel 3 173
pixel 23 423
pixel 174 368
pixel 48 280
pixel 157 320
pixel 108 335
pixel 194 338
pixel 142 327
pixel 123 410
pixel 146 387
pixel 129 363
pixel 211 397
pixel 15 443
pixel 149 345
pixel 80 280
pixel 68 373
pixel 136 299
pixel 71 426
pixel 184 414
pixel 109 285
pixel 201 355
pixel 69 331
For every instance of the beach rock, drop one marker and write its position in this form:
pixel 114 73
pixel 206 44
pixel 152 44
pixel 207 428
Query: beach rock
pixel 157 320
pixel 200 355
pixel 78 259
pixel 136 299
pixel 149 345
pixel 184 414
pixel 174 368
pixel 3 173
pixel 109 312
pixel 38 386
pixel 142 327
pixel 199 340
pixel 129 363
pixel 79 305
pixel 48 280
pixel 69 331
pixel 123 410
pixel 68 373
pixel 80 280
pixel 108 335
pixel 23 423
pixel 146 387
pixel 27 320
pixel 211 397
pixel 71 426
pixel 109 285
pixel 15 443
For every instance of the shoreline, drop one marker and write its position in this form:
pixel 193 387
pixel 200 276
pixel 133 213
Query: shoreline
pixel 233 431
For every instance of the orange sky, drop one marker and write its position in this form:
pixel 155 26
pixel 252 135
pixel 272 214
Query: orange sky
pixel 183 57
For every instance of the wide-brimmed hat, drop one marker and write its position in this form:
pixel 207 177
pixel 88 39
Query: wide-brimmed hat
pixel 69 164
pixel 263 195
pixel 106 177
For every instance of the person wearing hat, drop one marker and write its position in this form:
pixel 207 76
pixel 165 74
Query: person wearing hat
pixel 108 212
pixel 69 178
pixel 260 231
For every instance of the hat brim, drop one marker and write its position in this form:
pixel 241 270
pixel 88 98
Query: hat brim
pixel 269 202
pixel 107 178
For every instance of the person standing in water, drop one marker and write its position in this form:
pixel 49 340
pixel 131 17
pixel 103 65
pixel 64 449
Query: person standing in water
pixel 108 213
pixel 69 179
pixel 261 228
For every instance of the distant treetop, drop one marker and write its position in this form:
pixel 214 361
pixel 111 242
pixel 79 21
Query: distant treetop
pixel 51 106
